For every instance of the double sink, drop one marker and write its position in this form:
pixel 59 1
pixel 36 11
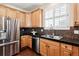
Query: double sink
pixel 52 37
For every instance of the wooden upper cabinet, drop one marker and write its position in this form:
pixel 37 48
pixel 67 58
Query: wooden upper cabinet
pixel 11 13
pixel 21 17
pixel 75 13
pixel 28 20
pixel 77 16
pixel 2 11
pixel 37 18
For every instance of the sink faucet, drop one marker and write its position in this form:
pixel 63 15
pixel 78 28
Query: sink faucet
pixel 53 34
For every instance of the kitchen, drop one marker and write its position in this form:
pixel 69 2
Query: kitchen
pixel 39 29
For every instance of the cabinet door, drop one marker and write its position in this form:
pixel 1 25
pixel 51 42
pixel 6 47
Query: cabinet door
pixel 11 13
pixel 21 17
pixel 77 16
pixel 37 18
pixel 53 48
pixel 28 20
pixel 33 19
pixel 75 51
pixel 23 41
pixel 23 20
pixel 43 48
pixel 53 51
pixel 2 11
pixel 66 50
pixel 30 41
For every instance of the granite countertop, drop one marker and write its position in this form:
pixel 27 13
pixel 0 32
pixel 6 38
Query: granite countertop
pixel 64 40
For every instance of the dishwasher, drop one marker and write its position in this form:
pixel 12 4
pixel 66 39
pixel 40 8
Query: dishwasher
pixel 35 44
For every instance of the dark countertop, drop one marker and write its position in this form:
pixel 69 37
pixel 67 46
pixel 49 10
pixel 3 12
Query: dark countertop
pixel 63 40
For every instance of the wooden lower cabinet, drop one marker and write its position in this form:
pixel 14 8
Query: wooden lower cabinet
pixel 29 44
pixel 47 48
pixel 53 48
pixel 26 40
pixel 66 50
pixel 43 48
pixel 23 41
pixel 75 51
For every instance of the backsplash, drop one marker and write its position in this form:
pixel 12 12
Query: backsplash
pixel 27 30
pixel 65 33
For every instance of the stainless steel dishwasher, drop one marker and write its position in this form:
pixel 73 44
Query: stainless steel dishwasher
pixel 35 44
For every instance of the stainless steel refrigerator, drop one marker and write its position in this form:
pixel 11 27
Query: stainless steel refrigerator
pixel 9 36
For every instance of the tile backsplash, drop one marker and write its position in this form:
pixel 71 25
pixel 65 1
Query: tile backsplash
pixel 65 33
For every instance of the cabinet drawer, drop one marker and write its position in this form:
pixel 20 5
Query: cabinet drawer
pixel 53 43
pixel 66 46
pixel 23 36
pixel 44 40
pixel 50 42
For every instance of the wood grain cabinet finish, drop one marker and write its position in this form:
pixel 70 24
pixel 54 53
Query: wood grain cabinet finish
pixel 37 18
pixel 53 48
pixel 43 48
pixel 77 14
pixel 75 51
pixel 29 41
pixel 49 48
pixel 21 17
pixel 66 50
pixel 11 13
pixel 28 20
pixel 2 11
pixel 24 41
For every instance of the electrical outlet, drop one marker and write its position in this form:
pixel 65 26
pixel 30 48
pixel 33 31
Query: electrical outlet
pixel 76 31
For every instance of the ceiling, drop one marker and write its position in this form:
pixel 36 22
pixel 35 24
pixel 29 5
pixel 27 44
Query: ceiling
pixel 27 6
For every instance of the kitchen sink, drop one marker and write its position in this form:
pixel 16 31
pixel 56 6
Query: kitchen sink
pixel 57 37
pixel 52 37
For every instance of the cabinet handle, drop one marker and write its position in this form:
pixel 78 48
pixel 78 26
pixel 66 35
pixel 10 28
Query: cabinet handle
pixel 65 46
pixel 48 46
pixel 70 54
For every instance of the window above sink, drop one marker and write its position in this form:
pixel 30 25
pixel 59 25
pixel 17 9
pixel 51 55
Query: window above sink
pixel 57 17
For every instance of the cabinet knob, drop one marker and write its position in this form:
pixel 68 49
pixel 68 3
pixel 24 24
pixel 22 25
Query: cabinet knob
pixel 70 54
pixel 65 46
pixel 48 46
